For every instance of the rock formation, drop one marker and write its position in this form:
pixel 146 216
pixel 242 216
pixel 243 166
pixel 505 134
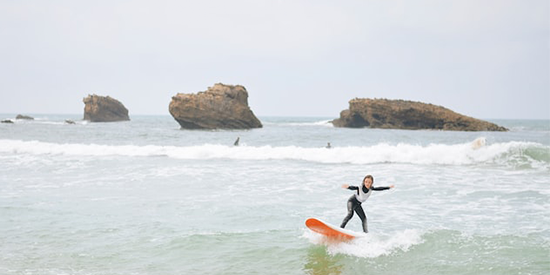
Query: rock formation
pixel 104 109
pixel 220 107
pixel 401 114
pixel 20 116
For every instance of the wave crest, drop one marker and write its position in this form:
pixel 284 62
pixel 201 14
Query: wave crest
pixel 517 154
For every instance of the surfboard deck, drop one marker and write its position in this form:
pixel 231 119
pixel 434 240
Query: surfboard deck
pixel 331 231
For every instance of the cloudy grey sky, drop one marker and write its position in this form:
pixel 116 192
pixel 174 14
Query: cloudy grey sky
pixel 482 58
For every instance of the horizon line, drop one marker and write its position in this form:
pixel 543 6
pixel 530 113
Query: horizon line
pixel 266 115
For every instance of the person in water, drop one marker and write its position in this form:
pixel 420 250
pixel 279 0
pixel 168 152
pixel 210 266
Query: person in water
pixel 363 192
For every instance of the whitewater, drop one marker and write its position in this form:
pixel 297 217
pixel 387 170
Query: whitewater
pixel 145 197
pixel 528 153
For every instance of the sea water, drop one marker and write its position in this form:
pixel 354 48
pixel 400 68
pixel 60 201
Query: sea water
pixel 144 197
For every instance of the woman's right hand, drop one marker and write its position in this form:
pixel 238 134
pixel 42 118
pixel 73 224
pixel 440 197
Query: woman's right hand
pixel 345 186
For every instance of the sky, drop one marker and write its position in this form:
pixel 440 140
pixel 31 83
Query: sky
pixel 489 59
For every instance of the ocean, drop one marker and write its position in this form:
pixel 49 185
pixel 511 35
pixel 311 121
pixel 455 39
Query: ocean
pixel 145 197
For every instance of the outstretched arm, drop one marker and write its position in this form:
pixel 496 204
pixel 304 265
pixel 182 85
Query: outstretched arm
pixel 350 187
pixel 382 188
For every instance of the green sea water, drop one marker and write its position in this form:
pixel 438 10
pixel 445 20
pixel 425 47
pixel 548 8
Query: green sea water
pixel 144 197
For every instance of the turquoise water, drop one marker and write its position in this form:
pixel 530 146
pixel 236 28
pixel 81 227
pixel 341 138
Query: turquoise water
pixel 144 197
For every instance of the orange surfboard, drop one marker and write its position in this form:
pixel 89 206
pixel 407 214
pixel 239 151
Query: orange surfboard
pixel 330 230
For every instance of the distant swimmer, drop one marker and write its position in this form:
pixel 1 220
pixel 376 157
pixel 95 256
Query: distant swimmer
pixel 328 145
pixel 237 141
pixel 363 192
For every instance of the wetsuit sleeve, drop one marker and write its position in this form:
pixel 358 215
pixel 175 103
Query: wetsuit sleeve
pixel 351 187
pixel 380 188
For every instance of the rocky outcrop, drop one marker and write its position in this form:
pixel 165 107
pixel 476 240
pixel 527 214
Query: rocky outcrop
pixel 401 114
pixel 104 109
pixel 219 107
pixel 20 116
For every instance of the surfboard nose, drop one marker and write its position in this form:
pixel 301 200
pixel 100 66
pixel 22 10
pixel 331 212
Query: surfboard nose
pixel 327 230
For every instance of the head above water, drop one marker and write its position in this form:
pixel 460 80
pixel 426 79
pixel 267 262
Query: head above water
pixel 368 181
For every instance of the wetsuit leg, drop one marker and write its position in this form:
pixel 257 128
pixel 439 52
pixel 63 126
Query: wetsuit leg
pixel 363 217
pixel 352 204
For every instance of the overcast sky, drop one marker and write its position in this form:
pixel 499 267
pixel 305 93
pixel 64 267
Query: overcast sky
pixel 486 59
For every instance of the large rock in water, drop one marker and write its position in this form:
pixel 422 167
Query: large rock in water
pixel 20 116
pixel 104 109
pixel 401 114
pixel 220 107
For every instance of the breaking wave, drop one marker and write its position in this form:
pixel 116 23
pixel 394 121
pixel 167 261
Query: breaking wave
pixel 517 154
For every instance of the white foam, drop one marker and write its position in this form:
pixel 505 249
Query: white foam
pixel 458 154
pixel 324 123
pixel 478 143
pixel 372 245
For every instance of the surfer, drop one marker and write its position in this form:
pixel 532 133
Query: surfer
pixel 362 194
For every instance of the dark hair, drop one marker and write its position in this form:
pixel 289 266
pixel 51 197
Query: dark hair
pixel 368 177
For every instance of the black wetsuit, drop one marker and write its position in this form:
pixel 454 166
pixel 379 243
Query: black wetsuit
pixel 354 204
